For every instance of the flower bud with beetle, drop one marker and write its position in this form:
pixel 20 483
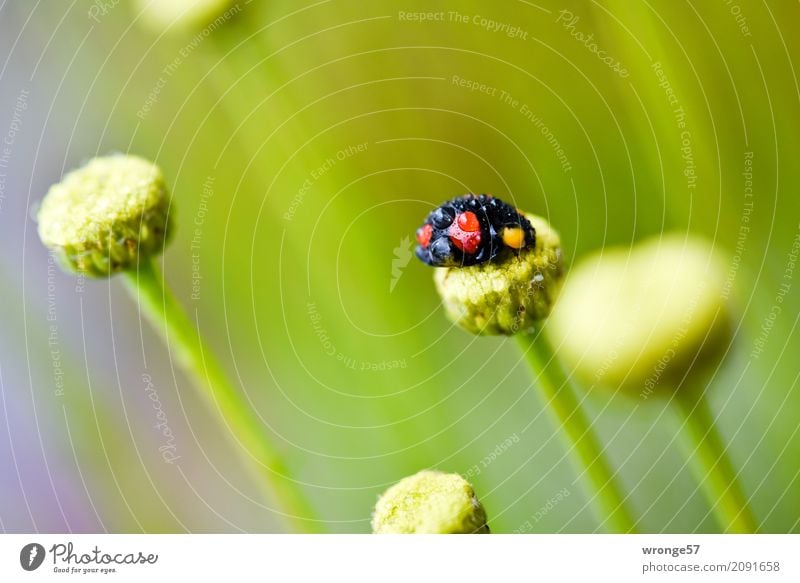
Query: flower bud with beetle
pixel 499 272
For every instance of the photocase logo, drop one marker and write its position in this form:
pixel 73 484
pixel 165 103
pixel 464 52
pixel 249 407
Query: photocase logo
pixel 402 255
pixel 31 556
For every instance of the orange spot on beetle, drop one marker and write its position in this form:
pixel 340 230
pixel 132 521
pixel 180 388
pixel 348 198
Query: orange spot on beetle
pixel 514 237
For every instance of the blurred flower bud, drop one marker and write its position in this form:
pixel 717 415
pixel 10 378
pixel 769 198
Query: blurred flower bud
pixel 509 294
pixel 182 14
pixel 100 218
pixel 430 502
pixel 641 317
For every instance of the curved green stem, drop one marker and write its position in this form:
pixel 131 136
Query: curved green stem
pixel 168 317
pixel 599 479
pixel 711 464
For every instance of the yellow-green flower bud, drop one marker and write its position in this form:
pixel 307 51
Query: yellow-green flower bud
pixel 430 502
pixel 509 294
pixel 100 218
pixel 638 318
pixel 182 14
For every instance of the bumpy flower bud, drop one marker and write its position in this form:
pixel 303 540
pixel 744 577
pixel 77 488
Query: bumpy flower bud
pixel 100 218
pixel 430 502
pixel 509 294
pixel 180 14
pixel 640 317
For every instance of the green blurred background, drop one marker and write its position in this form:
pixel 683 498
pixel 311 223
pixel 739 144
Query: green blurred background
pixel 304 143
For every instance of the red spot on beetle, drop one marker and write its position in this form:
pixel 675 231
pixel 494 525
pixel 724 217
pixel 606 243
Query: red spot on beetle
pixel 468 222
pixel 465 232
pixel 424 235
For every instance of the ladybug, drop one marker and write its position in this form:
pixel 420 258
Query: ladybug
pixel 470 230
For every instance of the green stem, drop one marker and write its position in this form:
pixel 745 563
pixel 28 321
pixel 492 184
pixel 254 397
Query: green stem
pixel 712 465
pixel 168 317
pixel 599 479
